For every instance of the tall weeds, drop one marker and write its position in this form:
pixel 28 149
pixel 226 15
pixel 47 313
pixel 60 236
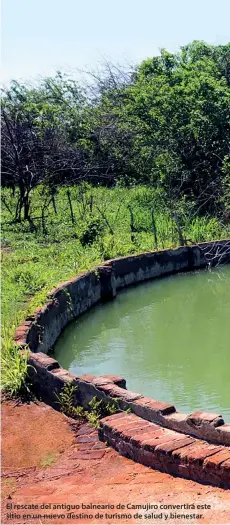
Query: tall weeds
pixel 13 367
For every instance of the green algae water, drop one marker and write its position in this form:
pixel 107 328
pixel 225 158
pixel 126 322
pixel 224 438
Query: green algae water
pixel 168 337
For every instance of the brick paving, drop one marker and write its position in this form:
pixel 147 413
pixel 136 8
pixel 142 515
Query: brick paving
pixel 89 472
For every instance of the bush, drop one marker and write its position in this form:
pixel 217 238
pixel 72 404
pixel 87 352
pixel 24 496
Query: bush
pixel 13 367
pixel 92 232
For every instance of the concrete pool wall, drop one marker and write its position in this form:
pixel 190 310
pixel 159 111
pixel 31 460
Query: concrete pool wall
pixel 74 297
pixel 70 299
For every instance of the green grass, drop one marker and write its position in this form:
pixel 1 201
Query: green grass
pixel 35 260
pixel 48 460
pixel 13 366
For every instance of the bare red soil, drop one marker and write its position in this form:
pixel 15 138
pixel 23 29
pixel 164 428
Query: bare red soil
pixel 48 459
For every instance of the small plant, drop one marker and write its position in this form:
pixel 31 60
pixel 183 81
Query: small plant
pixel 69 301
pixel 66 401
pixel 48 460
pixel 14 367
pixel 95 413
pixel 98 410
pixel 112 408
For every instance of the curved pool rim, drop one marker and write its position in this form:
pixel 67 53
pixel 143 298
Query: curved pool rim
pixel 70 299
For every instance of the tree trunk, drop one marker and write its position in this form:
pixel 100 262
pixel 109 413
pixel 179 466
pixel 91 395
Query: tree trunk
pixel 154 229
pixel 26 204
pixel 20 202
pixel 71 207
pixel 132 227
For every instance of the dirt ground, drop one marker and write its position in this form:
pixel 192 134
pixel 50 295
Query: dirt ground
pixel 48 460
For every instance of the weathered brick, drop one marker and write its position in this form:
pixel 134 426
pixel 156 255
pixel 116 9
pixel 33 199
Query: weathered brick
pixel 151 409
pixel 21 334
pixel 121 429
pixel 147 458
pixel 43 360
pixel 121 393
pixel 126 425
pixel 178 442
pixel 226 466
pixel 86 446
pixel 63 374
pixel 88 378
pixel 117 380
pixel 141 429
pixel 119 415
pixel 157 439
pixel 118 424
pixel 21 342
pixel 87 439
pixel 176 421
pixel 144 438
pixel 101 381
pixel 158 406
pixel 121 421
pixel 85 430
pixel 213 462
pixel 201 427
pixel 195 453
pixel 87 391
pixel 223 434
pixel 201 418
pixel 90 454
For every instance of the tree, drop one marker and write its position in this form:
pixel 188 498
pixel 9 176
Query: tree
pixel 165 123
pixel 178 107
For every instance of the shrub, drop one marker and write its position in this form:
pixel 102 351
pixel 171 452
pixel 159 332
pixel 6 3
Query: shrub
pixel 92 232
pixel 13 367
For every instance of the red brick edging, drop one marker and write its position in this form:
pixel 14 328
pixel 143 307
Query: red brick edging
pixel 166 450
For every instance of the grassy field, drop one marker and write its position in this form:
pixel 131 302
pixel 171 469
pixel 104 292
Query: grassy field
pixel 80 228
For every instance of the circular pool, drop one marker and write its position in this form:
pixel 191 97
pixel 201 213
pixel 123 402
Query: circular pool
pixel 168 337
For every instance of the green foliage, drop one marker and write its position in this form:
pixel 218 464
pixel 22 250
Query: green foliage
pixel 113 408
pixel 93 230
pixel 165 124
pixel 95 412
pixel 97 408
pixel 226 195
pixel 13 367
pixel 66 400
pixel 177 107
